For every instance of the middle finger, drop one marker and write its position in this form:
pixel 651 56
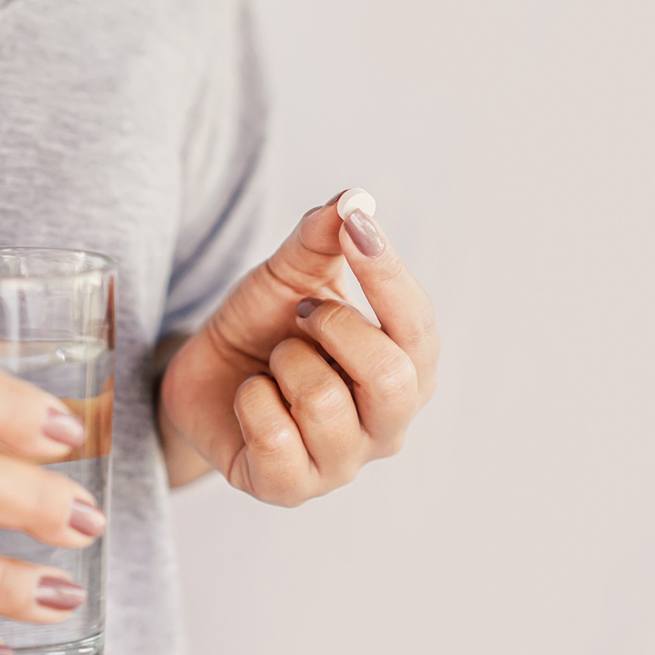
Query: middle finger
pixel 385 380
pixel 47 505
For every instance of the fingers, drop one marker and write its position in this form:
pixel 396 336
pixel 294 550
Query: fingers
pixel 402 307
pixel 274 464
pixel 304 448
pixel 323 408
pixel 37 594
pixel 43 504
pixel 34 424
pixel 48 506
pixel 385 381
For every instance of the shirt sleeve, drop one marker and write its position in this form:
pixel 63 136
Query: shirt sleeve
pixel 222 178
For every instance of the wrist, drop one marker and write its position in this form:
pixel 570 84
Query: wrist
pixel 183 463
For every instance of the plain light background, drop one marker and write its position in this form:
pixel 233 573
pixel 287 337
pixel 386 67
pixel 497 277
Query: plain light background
pixel 511 148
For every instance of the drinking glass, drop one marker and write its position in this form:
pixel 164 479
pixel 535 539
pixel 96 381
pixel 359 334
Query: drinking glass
pixel 57 331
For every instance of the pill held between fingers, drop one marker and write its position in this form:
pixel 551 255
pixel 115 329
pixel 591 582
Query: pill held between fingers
pixel 356 199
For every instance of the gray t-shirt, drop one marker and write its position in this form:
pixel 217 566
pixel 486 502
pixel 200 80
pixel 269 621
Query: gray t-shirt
pixel 135 129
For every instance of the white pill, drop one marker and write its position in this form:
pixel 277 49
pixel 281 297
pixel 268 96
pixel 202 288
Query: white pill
pixel 356 199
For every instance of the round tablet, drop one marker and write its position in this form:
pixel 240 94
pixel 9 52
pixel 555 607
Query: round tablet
pixel 356 199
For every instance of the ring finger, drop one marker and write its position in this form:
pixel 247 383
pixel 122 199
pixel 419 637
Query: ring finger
pixel 322 407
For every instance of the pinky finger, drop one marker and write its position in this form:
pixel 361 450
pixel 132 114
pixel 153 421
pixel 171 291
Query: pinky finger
pixel 37 594
pixel 274 464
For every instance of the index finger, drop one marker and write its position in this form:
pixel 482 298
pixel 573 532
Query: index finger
pixel 402 306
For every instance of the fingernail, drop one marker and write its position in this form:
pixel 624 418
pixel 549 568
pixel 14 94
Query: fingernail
pixel 307 306
pixel 64 428
pixel 6 651
pixel 59 594
pixel 87 519
pixel 364 234
pixel 334 199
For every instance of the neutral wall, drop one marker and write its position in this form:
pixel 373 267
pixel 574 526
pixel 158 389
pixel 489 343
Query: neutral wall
pixel 511 148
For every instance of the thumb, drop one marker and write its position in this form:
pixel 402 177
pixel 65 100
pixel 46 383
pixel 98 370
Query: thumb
pixel 260 310
pixel 312 252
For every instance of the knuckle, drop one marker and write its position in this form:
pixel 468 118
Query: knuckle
pixel 391 268
pixel 283 349
pixel 10 401
pixel 271 440
pixel 324 401
pixel 248 392
pixel 284 490
pixel 50 506
pixel 331 315
pixel 291 501
pixel 22 407
pixel 395 377
pixel 423 331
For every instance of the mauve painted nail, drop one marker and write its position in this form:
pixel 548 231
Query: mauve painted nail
pixel 6 651
pixel 64 428
pixel 59 594
pixel 364 234
pixel 87 519
pixel 307 306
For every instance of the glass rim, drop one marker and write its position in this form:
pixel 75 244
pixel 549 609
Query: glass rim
pixel 105 264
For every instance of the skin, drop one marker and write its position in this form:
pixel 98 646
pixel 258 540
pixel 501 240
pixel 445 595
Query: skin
pixel 35 500
pixel 290 408
pixel 286 407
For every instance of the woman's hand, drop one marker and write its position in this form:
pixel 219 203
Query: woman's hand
pixel 36 427
pixel 289 390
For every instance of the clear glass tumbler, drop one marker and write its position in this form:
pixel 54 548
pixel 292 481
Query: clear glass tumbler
pixel 57 331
